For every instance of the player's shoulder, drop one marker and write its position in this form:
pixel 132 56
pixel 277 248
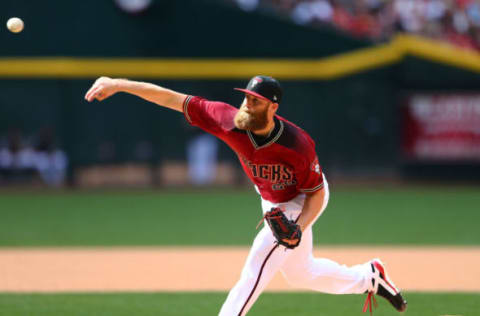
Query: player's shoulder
pixel 295 138
pixel 191 99
pixel 220 111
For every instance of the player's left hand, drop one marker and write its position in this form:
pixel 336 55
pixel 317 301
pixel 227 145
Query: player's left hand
pixel 286 231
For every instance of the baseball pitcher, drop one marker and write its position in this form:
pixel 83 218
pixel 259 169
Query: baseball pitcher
pixel 280 160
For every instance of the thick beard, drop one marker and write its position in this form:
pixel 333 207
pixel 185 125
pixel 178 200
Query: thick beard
pixel 250 122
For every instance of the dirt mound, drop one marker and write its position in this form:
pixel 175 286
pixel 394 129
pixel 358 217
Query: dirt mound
pixel 216 269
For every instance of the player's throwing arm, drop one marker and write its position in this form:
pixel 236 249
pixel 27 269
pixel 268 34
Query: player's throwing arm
pixel 105 87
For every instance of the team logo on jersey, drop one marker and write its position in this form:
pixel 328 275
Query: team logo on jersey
pixel 315 166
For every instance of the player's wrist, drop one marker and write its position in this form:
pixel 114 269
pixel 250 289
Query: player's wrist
pixel 302 227
pixel 300 222
pixel 119 84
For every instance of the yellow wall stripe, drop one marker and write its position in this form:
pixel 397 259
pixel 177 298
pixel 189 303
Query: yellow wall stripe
pixel 437 51
pixel 324 68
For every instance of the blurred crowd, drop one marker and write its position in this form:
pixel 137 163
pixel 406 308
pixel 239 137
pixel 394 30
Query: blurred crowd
pixel 24 161
pixel 455 21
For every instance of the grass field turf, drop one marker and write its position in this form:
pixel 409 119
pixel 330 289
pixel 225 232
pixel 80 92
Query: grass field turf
pixel 416 216
pixel 195 304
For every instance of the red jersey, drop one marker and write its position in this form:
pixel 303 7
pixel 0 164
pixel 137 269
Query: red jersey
pixel 282 165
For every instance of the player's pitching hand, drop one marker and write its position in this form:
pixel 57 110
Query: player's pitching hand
pixel 103 88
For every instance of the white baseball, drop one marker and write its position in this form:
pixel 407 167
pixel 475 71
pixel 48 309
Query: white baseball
pixel 15 25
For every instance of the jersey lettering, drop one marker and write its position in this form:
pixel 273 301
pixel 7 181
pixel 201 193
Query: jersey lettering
pixel 283 185
pixel 275 173
pixel 254 169
pixel 264 174
pixel 287 173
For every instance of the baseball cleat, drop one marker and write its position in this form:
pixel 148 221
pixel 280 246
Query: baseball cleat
pixel 384 287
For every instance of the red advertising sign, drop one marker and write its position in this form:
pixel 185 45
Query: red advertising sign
pixel 442 127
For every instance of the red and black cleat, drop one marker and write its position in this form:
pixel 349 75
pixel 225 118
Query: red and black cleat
pixel 384 287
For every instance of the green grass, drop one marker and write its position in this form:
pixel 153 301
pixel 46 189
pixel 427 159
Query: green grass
pixel 417 216
pixel 199 304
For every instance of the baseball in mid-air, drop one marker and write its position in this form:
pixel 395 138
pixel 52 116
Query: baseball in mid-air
pixel 15 25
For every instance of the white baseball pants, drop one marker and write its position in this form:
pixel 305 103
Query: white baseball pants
pixel 298 266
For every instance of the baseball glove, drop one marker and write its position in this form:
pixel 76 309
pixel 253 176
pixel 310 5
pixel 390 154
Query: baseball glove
pixel 285 231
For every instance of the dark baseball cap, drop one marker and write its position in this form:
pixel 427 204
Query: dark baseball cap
pixel 264 87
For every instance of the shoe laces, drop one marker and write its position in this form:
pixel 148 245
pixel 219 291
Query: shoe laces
pixel 368 303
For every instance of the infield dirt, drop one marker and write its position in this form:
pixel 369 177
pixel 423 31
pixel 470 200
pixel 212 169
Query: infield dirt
pixel 216 269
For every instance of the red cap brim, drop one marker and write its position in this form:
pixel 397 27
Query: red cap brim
pixel 253 93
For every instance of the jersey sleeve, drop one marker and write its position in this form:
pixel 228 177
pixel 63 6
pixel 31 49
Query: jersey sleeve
pixel 211 116
pixel 310 178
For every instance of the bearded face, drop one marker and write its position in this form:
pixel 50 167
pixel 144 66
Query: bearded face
pixel 247 119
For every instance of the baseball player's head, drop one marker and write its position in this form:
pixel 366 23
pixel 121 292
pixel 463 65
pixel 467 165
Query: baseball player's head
pixel 262 96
